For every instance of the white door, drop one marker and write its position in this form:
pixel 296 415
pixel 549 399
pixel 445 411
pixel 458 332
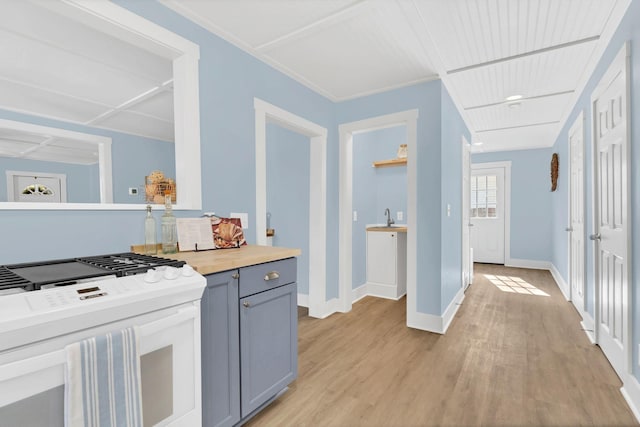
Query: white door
pixel 36 187
pixel 611 237
pixel 576 214
pixel 466 195
pixel 487 214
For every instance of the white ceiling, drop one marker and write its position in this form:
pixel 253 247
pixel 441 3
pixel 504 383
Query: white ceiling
pixel 483 50
pixel 57 67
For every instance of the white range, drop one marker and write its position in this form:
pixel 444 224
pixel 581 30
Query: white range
pixel 36 326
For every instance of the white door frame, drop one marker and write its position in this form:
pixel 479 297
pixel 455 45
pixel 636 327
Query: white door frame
pixel 408 118
pixel 620 62
pixel 578 126
pixel 506 165
pixel 466 191
pixel 268 113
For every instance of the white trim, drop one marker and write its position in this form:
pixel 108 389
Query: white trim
pixel 452 309
pixel 506 165
pixel 588 324
pixel 358 293
pixel 330 307
pixel 467 259
pixel 303 300
pixel 347 130
pixel 380 290
pixel 578 126
pixel 631 392
pixel 126 25
pixel 437 324
pixel 268 113
pixel 528 263
pixel 562 285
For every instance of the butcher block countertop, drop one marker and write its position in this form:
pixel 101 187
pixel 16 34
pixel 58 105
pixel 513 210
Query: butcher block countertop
pixel 388 229
pixel 215 261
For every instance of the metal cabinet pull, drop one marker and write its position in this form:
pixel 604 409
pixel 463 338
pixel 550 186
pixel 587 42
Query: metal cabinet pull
pixel 595 236
pixel 246 304
pixel 272 275
pixel 235 276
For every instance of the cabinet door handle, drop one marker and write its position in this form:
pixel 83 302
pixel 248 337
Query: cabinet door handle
pixel 235 276
pixel 246 304
pixel 272 275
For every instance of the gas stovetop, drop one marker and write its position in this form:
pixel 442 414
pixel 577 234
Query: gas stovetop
pixel 36 275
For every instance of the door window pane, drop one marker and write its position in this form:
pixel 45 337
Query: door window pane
pixel 484 196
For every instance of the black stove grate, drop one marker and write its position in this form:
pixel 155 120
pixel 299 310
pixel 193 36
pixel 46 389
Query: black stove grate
pixel 10 280
pixel 129 263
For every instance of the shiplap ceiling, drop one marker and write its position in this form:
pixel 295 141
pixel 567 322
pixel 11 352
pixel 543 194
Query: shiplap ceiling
pixel 56 67
pixel 483 50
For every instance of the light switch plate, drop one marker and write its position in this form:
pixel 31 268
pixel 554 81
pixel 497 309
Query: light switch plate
pixel 133 191
pixel 355 216
pixel 244 218
pixel 400 215
pixel 448 209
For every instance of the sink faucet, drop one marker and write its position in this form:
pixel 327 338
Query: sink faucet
pixel 390 221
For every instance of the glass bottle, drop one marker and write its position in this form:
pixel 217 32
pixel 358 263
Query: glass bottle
pixel 150 243
pixel 169 229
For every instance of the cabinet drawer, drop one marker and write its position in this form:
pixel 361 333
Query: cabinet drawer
pixel 262 277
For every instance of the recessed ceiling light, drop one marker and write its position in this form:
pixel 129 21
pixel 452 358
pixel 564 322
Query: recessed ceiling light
pixel 513 97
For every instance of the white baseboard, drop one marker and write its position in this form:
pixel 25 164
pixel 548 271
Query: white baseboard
pixel 588 326
pixel 358 293
pixel 562 285
pixel 527 263
pixel 433 323
pixel 451 311
pixel 303 300
pixel 383 291
pixel 424 322
pixel 330 307
pixel 631 392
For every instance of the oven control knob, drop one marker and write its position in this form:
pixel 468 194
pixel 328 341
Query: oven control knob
pixel 187 270
pixel 171 273
pixel 152 276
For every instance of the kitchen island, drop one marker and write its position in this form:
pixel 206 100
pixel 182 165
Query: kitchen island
pixel 249 328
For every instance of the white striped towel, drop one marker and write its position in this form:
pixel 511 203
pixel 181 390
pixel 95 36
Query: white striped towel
pixel 102 381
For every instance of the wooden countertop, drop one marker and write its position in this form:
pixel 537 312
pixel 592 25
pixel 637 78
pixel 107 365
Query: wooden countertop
pixel 214 261
pixel 388 229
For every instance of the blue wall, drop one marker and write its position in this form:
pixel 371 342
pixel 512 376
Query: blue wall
pixel 629 30
pixel 531 216
pixel 375 189
pixel 288 194
pixel 230 79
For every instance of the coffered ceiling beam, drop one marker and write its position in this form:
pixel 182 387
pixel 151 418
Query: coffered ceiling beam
pixel 525 54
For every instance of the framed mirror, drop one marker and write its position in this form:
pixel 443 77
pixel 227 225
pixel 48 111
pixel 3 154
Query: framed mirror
pixel 119 88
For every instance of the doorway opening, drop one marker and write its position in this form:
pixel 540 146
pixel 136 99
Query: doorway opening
pixel 317 137
pixel 347 131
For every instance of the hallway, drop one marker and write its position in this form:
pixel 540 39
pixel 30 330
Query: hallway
pixel 513 355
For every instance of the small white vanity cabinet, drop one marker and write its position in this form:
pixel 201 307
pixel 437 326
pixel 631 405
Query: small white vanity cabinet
pixel 387 262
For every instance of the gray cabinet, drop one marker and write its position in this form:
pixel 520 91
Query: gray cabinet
pixel 220 350
pixel 249 340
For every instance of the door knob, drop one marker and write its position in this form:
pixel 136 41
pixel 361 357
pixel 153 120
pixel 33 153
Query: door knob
pixel 470 225
pixel 568 229
pixel 246 304
pixel 595 236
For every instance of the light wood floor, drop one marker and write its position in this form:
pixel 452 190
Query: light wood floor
pixel 508 359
